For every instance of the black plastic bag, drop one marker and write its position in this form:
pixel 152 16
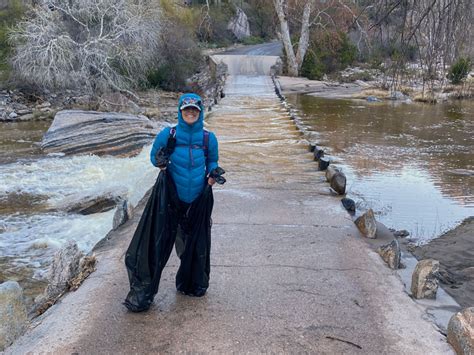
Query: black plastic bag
pixel 153 242
pixel 193 273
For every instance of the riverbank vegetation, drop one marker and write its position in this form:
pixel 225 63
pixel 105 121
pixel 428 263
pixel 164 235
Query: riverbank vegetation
pixel 131 45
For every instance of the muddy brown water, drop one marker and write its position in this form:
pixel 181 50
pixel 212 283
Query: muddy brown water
pixel 412 163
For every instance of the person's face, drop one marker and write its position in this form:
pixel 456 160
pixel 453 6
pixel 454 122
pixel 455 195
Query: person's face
pixel 190 115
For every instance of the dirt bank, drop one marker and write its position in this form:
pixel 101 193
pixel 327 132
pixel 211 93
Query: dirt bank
pixel 455 252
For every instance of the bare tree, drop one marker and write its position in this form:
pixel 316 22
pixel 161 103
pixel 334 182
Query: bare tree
pixel 304 15
pixel 94 45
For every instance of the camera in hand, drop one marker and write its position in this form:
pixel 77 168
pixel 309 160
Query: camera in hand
pixel 216 174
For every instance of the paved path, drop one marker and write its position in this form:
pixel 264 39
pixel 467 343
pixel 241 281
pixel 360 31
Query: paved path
pixel 290 273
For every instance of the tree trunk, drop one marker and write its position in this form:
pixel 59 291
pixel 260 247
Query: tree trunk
pixel 304 37
pixel 285 38
pixel 294 62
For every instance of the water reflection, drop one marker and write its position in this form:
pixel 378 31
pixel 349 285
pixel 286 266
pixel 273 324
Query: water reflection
pixel 410 162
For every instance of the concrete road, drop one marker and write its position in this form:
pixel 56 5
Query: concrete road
pixel 290 272
pixel 272 49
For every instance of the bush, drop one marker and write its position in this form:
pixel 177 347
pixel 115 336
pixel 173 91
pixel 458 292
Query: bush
pixel 8 17
pixel 459 70
pixel 253 40
pixel 91 45
pixel 179 55
pixel 327 53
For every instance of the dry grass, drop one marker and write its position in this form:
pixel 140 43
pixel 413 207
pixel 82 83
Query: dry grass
pixel 427 97
pixel 378 93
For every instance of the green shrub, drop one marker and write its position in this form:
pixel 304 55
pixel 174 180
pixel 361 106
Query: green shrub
pixel 8 17
pixel 459 70
pixel 253 40
pixel 327 53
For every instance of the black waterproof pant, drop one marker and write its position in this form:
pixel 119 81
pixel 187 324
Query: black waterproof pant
pixel 165 220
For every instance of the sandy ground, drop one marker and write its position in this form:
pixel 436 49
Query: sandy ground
pixel 455 252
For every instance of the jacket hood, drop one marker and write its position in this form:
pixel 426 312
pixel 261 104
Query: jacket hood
pixel 199 124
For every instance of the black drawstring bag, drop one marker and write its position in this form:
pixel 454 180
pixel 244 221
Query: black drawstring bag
pixel 193 273
pixel 153 242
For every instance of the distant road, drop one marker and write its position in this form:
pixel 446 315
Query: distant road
pixel 272 48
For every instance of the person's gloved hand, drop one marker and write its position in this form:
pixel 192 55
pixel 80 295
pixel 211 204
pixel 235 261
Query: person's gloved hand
pixel 162 158
pixel 216 175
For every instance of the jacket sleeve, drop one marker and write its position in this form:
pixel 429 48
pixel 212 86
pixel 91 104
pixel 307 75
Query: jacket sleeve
pixel 160 141
pixel 212 154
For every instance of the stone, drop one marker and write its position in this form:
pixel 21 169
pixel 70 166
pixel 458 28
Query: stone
pixel 391 254
pixel 239 25
pixel 401 233
pixel 93 204
pixel 424 282
pixel 349 204
pixel 338 183
pixel 99 133
pixel 13 115
pixel 64 267
pixel 123 213
pixel 367 224
pixel 397 95
pixel 323 163
pixel 117 102
pixel 331 171
pixel 13 315
pixel 24 111
pixel 461 331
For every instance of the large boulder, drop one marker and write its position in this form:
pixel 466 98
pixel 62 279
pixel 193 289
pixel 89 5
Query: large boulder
pixel 391 254
pixel 239 25
pixel 13 316
pixel 65 267
pixel 461 331
pixel 424 283
pixel 100 133
pixel 367 224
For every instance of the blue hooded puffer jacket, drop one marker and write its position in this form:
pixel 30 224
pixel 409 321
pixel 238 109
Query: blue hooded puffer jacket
pixel 188 165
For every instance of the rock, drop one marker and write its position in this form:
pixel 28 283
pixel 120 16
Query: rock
pixel 373 99
pixel 424 283
pixel 24 111
pixel 117 102
pixel 461 331
pixel 391 254
pixel 337 179
pixel 93 204
pixel 397 95
pixel 401 233
pixel 100 133
pixel 13 115
pixel 318 153
pixel 323 163
pixel 239 25
pixel 367 224
pixel 43 105
pixel 349 204
pixel 64 268
pixel 13 316
pixel 330 172
pixel 123 213
pixel 311 147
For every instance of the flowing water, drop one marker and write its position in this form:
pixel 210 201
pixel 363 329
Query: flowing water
pixel 35 190
pixel 411 163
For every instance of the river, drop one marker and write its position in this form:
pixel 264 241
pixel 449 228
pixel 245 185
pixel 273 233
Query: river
pixel 36 188
pixel 411 163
